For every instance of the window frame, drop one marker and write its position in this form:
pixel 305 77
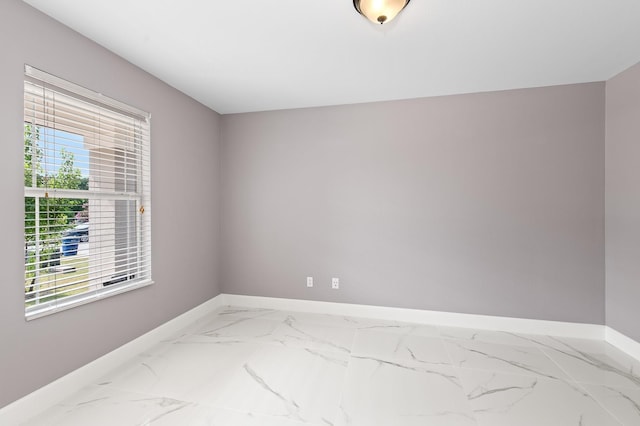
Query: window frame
pixel 141 195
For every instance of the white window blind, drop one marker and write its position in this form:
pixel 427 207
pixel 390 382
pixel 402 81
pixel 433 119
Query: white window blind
pixel 87 195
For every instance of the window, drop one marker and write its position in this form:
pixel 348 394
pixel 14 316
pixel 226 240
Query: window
pixel 87 206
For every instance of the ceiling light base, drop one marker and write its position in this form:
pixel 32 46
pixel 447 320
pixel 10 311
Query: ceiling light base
pixel 380 11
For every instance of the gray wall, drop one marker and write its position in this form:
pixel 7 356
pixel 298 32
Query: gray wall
pixel 487 203
pixel 623 202
pixel 185 197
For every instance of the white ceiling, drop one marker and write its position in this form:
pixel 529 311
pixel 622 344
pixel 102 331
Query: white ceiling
pixel 255 55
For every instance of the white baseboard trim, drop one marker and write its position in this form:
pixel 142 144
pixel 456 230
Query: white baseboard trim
pixel 56 391
pixel 622 342
pixel 484 322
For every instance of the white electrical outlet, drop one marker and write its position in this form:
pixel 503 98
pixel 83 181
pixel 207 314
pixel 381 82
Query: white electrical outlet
pixel 309 281
pixel 335 283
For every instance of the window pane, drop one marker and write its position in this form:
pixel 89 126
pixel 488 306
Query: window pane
pixel 56 264
pixel 54 159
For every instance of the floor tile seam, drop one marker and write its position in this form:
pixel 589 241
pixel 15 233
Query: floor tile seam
pixel 233 317
pixel 145 394
pixel 533 348
pixel 213 339
pixel 597 400
pixel 437 370
pixel 232 321
pixel 340 409
pixel 392 333
pixel 400 360
pixel 125 389
pixel 536 352
pixel 441 331
pixel 564 370
pixel 244 311
pixel 346 325
pixel 614 387
pixel 354 338
pixel 243 338
pixel 150 395
pixel 304 323
pixel 418 367
pixel 343 388
pixel 277 344
pixel 40 412
pixel 258 343
pixel 203 319
pixel 456 369
pixel 214 406
pixel 447 351
pixel 322 340
pixel 230 339
pixel 258 411
pixel 280 344
pixel 548 349
pixel 518 374
pixel 328 341
pixel 454 338
pixel 218 406
pixel 317 322
pixel 107 378
pixel 278 323
pixel 578 385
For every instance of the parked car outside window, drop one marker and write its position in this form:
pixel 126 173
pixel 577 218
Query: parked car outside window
pixel 81 231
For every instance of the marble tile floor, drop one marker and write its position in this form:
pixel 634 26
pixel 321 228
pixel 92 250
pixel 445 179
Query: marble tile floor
pixel 259 367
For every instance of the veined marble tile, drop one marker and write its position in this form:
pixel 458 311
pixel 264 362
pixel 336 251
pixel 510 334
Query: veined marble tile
pixel 234 312
pixel 293 333
pixel 504 358
pixel 296 384
pixel 384 393
pixel 98 406
pixel 624 404
pixel 487 336
pixel 223 417
pixel 331 320
pixel 500 399
pixel 404 328
pixel 293 383
pixel 593 362
pixel 592 346
pixel 396 346
pixel 355 323
pixel 310 318
pixel 241 329
pixel 286 332
pixel 191 369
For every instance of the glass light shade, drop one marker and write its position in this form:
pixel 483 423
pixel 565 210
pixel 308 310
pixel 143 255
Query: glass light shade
pixel 380 11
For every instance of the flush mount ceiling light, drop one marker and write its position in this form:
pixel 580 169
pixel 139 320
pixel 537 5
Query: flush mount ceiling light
pixel 380 11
